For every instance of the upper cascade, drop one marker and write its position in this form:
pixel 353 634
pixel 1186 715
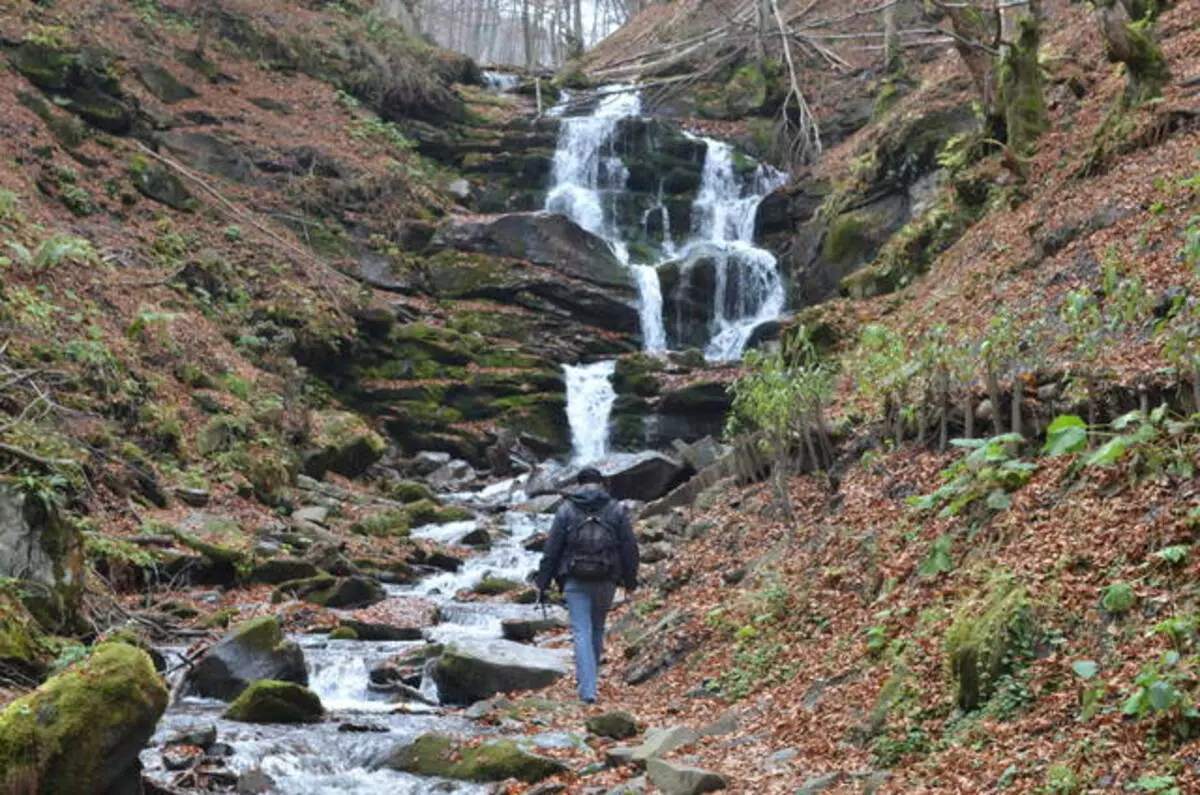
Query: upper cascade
pixel 589 183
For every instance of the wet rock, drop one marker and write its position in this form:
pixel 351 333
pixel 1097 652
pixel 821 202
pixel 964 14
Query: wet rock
pixel 199 736
pixel 81 731
pixel 616 725
pixel 524 630
pixel 454 476
pixel 479 537
pixel 658 742
pixel 444 561
pixel 255 782
pixel 269 701
pixel 181 757
pixel 253 651
pixel 393 619
pixel 473 670
pixel 536 543
pixel 676 779
pixel 329 556
pixel 495 760
pixel 427 462
pixel 362 728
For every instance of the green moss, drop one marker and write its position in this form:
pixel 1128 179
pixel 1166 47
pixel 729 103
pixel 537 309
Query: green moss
pixel 493 586
pixel 218 619
pixel 384 524
pixel 1119 598
pixel 343 633
pixel 984 641
pixel 259 634
pixel 636 374
pixel 746 91
pixel 21 640
pixel 302 587
pixel 408 491
pixel 429 512
pixel 1020 89
pixel 267 701
pixel 496 760
pixel 217 553
pixel 847 240
pixel 66 735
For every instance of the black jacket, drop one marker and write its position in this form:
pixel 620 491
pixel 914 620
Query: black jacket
pixel 592 499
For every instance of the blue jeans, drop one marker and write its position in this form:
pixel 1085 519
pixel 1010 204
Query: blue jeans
pixel 588 603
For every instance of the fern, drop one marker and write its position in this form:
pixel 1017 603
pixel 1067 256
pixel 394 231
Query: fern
pixel 60 248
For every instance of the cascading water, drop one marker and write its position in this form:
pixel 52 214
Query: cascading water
pixel 587 180
pixel 590 398
pixel 748 290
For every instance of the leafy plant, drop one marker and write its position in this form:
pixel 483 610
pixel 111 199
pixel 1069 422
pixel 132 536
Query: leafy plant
pixel 990 472
pixel 1162 691
pixel 1090 692
pixel 939 560
pixel 57 249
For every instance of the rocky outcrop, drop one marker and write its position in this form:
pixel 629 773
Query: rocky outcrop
pixel 344 444
pixel 543 238
pixel 82 730
pixel 254 651
pixel 45 553
pixel 269 701
pixel 471 671
pixel 83 80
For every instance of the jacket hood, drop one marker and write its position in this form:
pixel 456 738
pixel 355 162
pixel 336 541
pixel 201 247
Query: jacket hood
pixel 590 498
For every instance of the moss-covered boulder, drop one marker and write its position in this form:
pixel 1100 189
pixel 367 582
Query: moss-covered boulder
pixel 347 592
pixel 254 651
pixel 987 638
pixel 276 702
pixel 81 731
pixel 158 183
pixel 343 633
pixel 44 553
pixel 275 571
pixel 343 443
pixel 495 760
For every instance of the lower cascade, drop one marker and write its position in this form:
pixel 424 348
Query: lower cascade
pixel 590 398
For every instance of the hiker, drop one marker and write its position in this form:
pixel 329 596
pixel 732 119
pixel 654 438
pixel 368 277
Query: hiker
pixel 591 550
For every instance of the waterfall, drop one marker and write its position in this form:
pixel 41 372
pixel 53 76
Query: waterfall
pixel 586 179
pixel 748 288
pixel 590 398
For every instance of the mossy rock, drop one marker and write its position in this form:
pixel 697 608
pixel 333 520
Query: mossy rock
pixel 1119 598
pixel 348 592
pixel 985 641
pixel 495 760
pixel 42 560
pixel 276 571
pixel 158 183
pixel 494 586
pixel 429 512
pixel 408 491
pixel 82 730
pixel 392 523
pixel 343 633
pixel 23 647
pixel 268 701
pixel 345 444
pixel 83 79
pixel 615 725
pixel 253 651
pixel 635 375
pixel 746 92
pixel 301 587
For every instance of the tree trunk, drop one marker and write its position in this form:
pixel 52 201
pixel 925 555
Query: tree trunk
pixel 993 387
pixel 1020 77
pixel 1127 27
pixel 527 29
pixel 976 34
pixel 893 60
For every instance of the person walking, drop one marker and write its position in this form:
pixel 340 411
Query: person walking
pixel 591 550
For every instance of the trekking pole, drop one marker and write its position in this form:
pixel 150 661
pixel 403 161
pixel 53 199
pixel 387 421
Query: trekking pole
pixel 542 602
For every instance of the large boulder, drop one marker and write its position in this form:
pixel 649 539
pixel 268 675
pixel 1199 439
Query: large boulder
pixel 86 81
pixel 253 651
pixel 24 652
pixel 45 553
pixel 542 238
pixel 495 760
pixel 268 701
pixel 347 593
pixel 82 730
pixel 642 476
pixel 473 670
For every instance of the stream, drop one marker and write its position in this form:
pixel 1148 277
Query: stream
pixel 341 755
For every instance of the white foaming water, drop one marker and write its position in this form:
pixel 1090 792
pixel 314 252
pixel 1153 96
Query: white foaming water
pixel 590 398
pixel 748 289
pixel 586 180
pixel 500 81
